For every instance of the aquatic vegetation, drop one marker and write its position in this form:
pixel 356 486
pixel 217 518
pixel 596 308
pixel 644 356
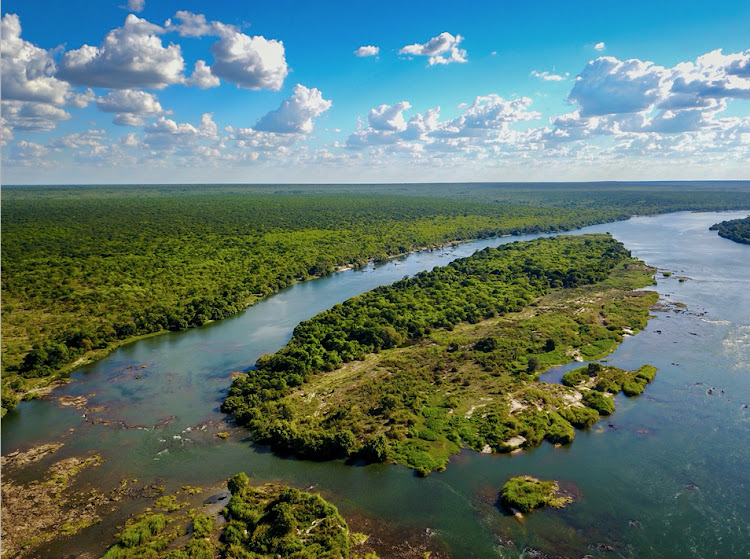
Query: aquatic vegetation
pixel 526 493
pixel 462 376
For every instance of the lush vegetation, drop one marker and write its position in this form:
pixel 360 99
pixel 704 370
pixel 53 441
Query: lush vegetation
pixel 447 359
pixel 737 230
pixel 87 268
pixel 605 379
pixel 286 523
pixel 83 269
pixel 265 521
pixel 526 493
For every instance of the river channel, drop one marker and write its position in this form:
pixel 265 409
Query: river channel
pixel 667 475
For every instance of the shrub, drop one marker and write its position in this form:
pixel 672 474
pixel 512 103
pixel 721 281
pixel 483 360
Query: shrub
pixel 598 401
pixel 526 493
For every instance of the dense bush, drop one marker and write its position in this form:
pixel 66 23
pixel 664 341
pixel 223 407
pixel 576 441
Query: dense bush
pixel 525 493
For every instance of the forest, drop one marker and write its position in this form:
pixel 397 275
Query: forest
pixel 399 373
pixel 737 230
pixel 86 268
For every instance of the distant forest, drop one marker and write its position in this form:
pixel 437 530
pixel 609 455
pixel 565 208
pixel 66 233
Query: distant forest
pixel 737 230
pixel 85 268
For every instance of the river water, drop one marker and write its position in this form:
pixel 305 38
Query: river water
pixel 667 475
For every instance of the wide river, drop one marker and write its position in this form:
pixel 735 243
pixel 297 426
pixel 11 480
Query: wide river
pixel 667 475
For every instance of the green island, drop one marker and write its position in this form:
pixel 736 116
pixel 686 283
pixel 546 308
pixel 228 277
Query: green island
pixel 264 521
pixel 88 268
pixel 737 230
pixel 449 359
pixel 526 493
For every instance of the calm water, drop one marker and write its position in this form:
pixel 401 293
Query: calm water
pixel 668 478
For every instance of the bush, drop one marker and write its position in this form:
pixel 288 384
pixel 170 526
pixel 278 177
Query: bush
pixel 633 387
pixel 560 431
pixel 598 401
pixel 526 493
pixel 579 416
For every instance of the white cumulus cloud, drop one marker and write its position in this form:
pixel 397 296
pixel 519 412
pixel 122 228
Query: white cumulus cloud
pixel 131 56
pixel 547 76
pixel 191 25
pixel 367 50
pixel 248 62
pixel 389 117
pixel 202 76
pixel 136 5
pixel 33 117
pixel 442 49
pixel 600 46
pixel 610 86
pixel 132 106
pixel 27 70
pixel 296 114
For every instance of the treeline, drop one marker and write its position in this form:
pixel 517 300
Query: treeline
pixel 737 230
pixel 494 281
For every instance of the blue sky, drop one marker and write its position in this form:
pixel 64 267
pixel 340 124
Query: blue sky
pixel 145 91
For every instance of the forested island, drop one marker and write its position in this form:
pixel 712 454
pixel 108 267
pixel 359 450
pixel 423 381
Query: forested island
pixel 737 230
pixel 85 269
pixel 449 359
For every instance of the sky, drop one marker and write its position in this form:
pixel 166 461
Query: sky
pixel 147 91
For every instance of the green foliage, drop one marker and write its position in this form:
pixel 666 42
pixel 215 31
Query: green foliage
pixel 86 268
pixel 141 539
pixel 238 482
pixel 598 401
pixel 608 379
pixel 264 522
pixel 273 521
pixel 580 416
pixel 525 493
pixel 560 431
pixel 421 402
pixel 202 526
pixel 737 230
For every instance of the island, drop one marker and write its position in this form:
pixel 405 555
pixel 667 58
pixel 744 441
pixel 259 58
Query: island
pixel 450 358
pixel 266 521
pixel 737 230
pixel 523 494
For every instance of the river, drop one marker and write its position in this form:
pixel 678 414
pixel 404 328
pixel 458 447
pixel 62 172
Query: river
pixel 665 476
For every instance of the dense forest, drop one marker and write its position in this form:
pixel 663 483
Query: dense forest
pixel 737 230
pixel 397 373
pixel 87 268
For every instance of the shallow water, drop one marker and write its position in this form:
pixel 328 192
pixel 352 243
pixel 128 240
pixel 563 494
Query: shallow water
pixel 637 478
